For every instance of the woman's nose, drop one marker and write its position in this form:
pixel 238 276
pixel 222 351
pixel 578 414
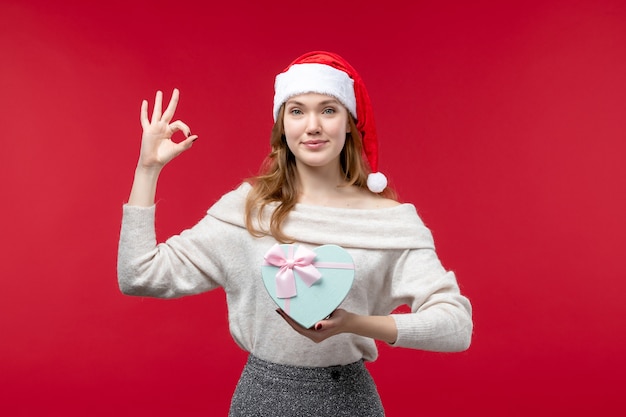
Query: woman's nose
pixel 313 125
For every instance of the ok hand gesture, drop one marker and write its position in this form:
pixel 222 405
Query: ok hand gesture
pixel 157 146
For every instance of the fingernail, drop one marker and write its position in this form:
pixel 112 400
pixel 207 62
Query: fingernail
pixel 195 139
pixel 318 326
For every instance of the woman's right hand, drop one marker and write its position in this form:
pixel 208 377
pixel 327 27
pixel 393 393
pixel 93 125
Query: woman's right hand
pixel 157 146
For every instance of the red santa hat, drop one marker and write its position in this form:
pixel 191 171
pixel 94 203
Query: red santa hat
pixel 328 73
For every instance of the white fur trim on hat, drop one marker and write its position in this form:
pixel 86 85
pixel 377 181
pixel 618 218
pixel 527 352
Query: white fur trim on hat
pixel 314 78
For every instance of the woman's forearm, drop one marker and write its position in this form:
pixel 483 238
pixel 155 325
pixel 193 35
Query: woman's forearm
pixel 376 327
pixel 143 191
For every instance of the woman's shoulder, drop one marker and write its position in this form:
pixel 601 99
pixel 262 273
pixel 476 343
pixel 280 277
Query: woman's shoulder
pixel 232 204
pixel 382 202
pixel 365 199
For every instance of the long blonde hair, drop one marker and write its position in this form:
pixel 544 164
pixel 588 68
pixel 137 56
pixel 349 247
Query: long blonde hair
pixel 278 183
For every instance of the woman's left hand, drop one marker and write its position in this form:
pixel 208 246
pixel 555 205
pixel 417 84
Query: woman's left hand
pixel 341 321
pixel 336 323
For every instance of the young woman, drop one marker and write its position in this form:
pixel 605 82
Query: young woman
pixel 317 186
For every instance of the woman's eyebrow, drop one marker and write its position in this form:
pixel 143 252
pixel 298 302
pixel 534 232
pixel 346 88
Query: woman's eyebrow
pixel 329 101
pixel 321 103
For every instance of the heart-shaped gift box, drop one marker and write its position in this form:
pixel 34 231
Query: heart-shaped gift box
pixel 308 285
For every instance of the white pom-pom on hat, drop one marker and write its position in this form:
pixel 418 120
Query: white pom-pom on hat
pixel 376 182
pixel 321 72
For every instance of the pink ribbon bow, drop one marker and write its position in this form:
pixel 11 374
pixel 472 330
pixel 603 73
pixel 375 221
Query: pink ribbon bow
pixel 302 262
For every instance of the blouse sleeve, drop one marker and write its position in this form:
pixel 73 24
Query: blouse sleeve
pixel 440 318
pixel 180 266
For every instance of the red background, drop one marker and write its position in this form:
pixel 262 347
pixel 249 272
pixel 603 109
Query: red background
pixel 503 122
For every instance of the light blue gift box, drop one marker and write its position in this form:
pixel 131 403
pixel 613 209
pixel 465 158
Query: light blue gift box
pixel 312 303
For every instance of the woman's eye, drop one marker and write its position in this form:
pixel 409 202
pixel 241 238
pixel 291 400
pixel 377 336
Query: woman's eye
pixel 295 111
pixel 328 110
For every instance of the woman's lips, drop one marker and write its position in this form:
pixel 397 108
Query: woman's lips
pixel 314 144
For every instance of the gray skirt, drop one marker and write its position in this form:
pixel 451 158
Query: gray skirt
pixel 267 389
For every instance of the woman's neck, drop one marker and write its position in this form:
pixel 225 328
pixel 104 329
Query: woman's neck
pixel 321 186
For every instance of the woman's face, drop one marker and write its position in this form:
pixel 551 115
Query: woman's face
pixel 315 127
